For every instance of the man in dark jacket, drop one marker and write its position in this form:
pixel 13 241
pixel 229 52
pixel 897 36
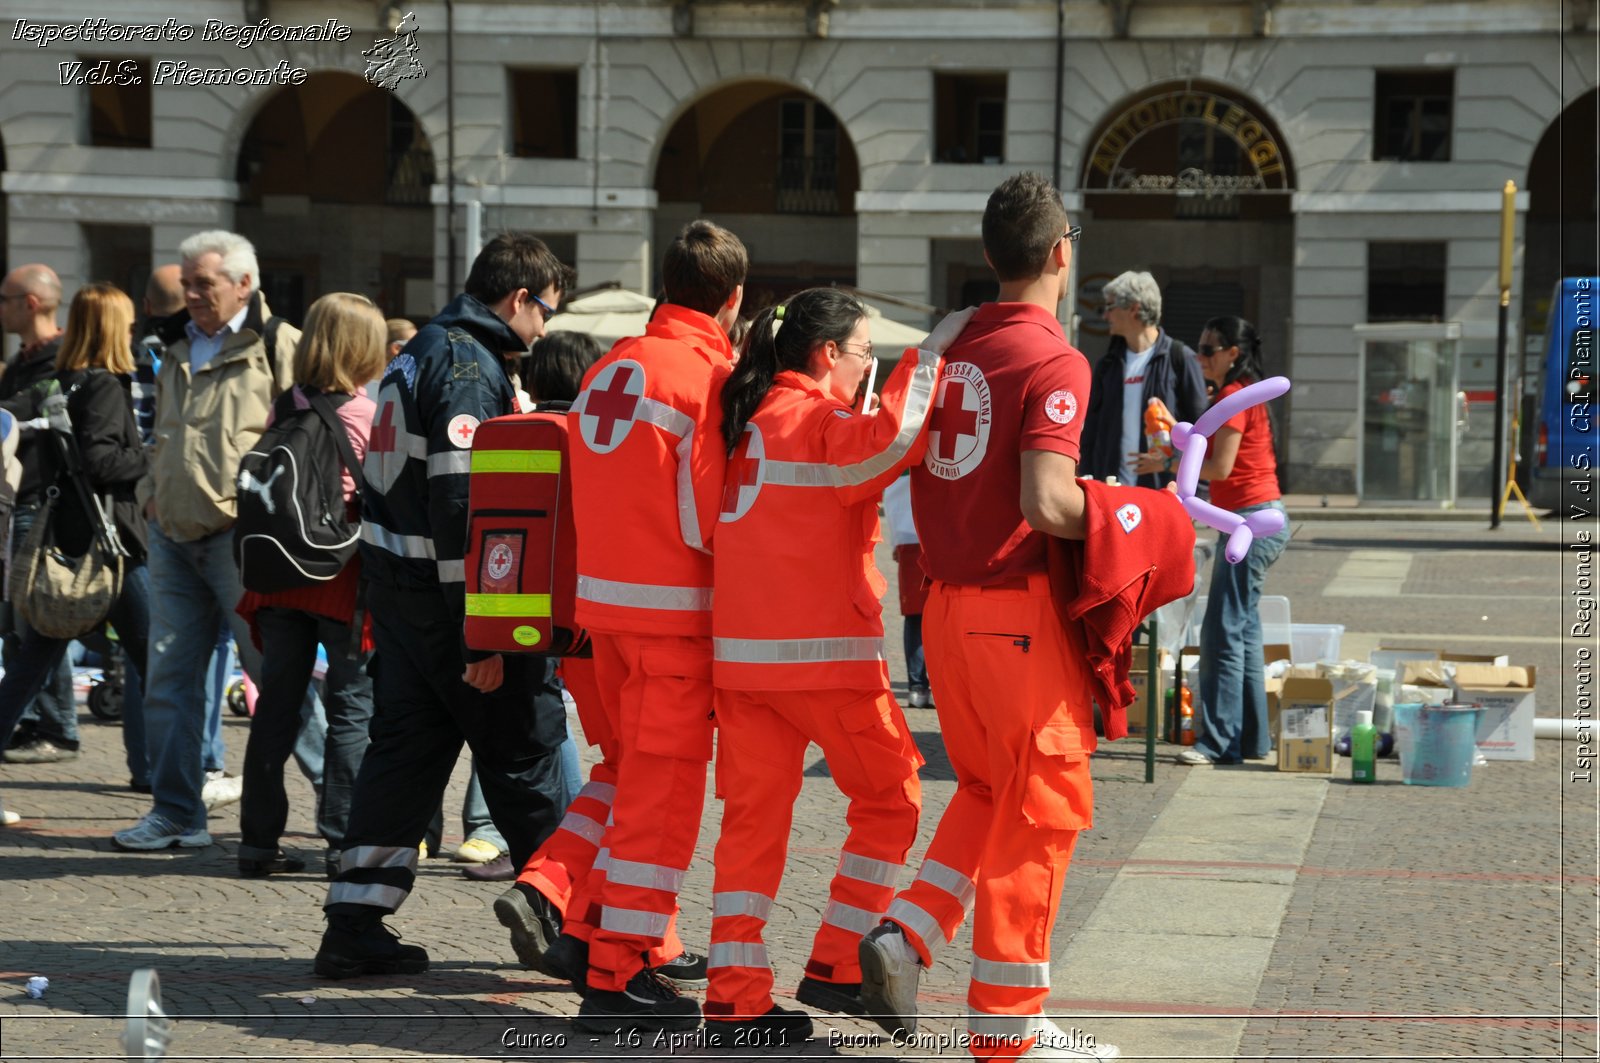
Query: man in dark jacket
pixel 430 692
pixel 30 295
pixel 1141 363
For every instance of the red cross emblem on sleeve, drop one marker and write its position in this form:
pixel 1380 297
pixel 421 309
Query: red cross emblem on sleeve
pixel 1061 407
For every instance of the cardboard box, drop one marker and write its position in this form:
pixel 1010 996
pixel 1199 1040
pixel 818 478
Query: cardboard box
pixel 1507 695
pixel 1392 656
pixel 1305 717
pixel 1139 676
pixel 1270 654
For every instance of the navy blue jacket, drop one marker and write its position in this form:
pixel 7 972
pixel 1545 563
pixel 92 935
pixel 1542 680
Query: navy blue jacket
pixel 435 392
pixel 1172 375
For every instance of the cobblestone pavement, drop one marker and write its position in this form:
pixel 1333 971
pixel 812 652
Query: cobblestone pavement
pixel 1422 923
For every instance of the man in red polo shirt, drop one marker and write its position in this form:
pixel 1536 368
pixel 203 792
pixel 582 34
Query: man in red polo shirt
pixel 1010 683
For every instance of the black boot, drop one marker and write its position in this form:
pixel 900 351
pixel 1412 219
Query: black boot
pixel 646 1003
pixel 356 945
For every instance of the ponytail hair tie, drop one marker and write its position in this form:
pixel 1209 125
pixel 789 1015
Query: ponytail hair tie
pixel 777 312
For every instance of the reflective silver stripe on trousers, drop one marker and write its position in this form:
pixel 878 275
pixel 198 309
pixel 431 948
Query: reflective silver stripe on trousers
pixel 866 869
pixel 642 595
pixel 983 1024
pixel 797 651
pixel 1010 973
pixel 737 954
pixel 603 792
pixel 453 571
pixel 919 399
pixel 417 546
pixel 583 827
pixel 918 922
pixel 953 882
pixel 450 463
pixel 740 902
pixel 632 921
pixel 372 894
pixel 379 856
pixel 848 917
pixel 646 876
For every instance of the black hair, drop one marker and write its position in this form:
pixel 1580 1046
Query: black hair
pixel 1022 222
pixel 557 364
pixel 810 317
pixel 515 260
pixel 1237 332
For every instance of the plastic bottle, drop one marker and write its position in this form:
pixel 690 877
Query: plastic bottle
pixel 1158 422
pixel 1180 717
pixel 1363 749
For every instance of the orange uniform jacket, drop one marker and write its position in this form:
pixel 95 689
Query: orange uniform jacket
pixel 801 497
pixel 647 463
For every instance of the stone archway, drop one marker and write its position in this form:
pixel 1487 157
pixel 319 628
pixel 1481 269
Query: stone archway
pixel 774 164
pixel 334 179
pixel 1562 208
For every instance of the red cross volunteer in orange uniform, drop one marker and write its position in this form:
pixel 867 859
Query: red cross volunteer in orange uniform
pixel 1010 682
pixel 798 646
pixel 647 471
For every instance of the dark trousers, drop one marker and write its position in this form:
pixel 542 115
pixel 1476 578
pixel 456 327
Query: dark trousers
pixel 423 713
pixel 289 639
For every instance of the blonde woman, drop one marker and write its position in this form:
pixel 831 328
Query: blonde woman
pixel 94 370
pixel 342 347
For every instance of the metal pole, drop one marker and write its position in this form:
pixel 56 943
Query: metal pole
pixel 1497 479
pixel 450 151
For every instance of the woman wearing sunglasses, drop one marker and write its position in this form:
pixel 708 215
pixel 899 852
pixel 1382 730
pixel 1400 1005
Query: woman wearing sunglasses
pixel 1243 471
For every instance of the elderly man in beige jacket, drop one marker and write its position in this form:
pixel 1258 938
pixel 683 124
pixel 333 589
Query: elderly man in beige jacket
pixel 215 390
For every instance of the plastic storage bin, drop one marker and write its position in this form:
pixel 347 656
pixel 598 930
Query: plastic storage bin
pixel 1436 743
pixel 1309 643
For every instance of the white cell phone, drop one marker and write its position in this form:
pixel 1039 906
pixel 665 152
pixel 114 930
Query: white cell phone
pixel 866 396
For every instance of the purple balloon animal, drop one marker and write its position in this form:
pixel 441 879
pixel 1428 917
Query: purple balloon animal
pixel 1192 439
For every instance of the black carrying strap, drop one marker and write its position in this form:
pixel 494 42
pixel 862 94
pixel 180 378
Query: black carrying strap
pixel 325 409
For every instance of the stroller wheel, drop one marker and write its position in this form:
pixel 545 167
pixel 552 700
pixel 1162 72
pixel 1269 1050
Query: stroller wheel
pixel 236 702
pixel 105 701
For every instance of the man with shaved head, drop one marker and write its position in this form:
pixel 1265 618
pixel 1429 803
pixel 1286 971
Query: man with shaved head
pixel 30 295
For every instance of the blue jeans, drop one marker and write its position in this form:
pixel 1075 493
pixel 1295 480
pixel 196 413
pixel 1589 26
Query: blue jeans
pixel 195 587
pixel 37 655
pixel 475 821
pixel 54 709
pixel 1233 695
pixel 916 662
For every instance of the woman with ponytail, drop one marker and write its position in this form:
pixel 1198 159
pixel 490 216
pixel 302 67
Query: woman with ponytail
pixel 1243 471
pixel 798 643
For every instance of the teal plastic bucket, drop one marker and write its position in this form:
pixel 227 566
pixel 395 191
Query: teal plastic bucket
pixel 1436 743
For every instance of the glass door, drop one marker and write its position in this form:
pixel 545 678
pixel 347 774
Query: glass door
pixel 1407 450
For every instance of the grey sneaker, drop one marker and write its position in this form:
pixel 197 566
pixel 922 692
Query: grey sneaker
pixel 156 831
pixel 1055 1043
pixel 39 751
pixel 1193 758
pixel 889 973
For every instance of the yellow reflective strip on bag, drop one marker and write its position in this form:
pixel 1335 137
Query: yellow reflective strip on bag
pixel 508 605
pixel 516 461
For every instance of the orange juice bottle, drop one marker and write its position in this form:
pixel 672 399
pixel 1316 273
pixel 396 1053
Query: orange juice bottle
pixel 1158 422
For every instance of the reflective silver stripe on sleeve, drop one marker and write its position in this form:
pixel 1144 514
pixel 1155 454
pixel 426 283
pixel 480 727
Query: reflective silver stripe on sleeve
pixel 983 1024
pixel 1009 973
pixel 645 876
pixel 602 860
pixel 603 792
pixel 453 571
pixel 919 922
pixel 583 827
pixel 642 595
pixel 848 917
pixel 450 463
pixel 801 474
pixel 797 651
pixel 740 902
pixel 632 921
pixel 379 856
pixel 416 546
pixel 866 869
pixel 737 954
pixel 688 510
pixel 953 882
pixel 371 894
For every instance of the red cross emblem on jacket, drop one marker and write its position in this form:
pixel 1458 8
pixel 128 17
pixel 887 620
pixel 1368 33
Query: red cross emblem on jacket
pixel 610 405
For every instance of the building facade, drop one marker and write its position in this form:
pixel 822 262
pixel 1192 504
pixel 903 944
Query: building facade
pixel 1313 165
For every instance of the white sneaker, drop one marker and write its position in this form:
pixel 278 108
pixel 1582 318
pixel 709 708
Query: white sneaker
pixel 8 817
pixel 890 969
pixel 1055 1043
pixel 221 789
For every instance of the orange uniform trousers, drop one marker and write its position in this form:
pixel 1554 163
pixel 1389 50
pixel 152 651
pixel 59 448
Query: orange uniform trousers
pixel 761 749
pixel 1012 694
pixel 563 869
pixel 658 690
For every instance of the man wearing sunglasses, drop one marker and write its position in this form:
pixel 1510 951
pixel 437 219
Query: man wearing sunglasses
pixel 1141 363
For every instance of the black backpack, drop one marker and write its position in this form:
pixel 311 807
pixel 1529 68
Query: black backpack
pixel 292 528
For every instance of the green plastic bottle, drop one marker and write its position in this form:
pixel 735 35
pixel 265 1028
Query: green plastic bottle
pixel 1363 749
